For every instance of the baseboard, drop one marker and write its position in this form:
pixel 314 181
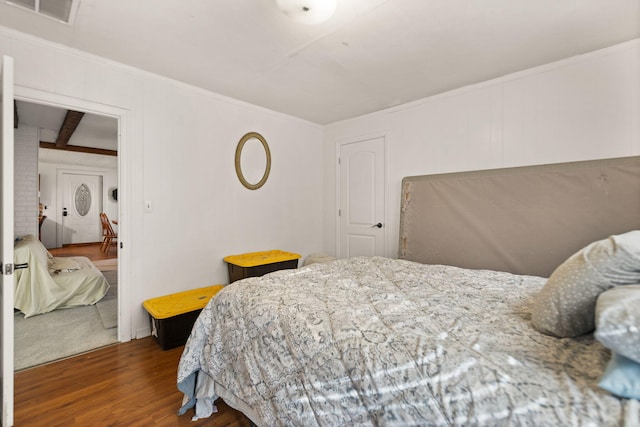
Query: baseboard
pixel 143 332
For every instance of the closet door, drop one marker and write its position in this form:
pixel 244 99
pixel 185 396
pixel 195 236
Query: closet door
pixel 362 198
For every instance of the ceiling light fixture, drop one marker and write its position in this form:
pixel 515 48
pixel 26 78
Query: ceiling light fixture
pixel 308 11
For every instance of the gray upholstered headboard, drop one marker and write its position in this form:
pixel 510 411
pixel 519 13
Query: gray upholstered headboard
pixel 524 220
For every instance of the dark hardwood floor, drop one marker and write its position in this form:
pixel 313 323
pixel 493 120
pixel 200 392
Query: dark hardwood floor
pixel 126 384
pixel 129 384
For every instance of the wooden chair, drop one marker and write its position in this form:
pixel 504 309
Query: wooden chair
pixel 108 235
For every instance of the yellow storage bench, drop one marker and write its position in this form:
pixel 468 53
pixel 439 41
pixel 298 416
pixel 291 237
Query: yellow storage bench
pixel 172 316
pixel 257 264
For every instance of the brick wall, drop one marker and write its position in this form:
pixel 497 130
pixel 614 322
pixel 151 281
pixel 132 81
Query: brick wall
pixel 26 181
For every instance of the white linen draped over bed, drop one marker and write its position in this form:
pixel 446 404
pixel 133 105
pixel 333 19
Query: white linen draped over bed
pixel 38 291
pixel 378 341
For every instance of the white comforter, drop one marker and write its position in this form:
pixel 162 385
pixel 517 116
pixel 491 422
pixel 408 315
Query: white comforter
pixel 377 341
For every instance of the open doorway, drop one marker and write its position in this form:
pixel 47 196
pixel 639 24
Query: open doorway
pixel 77 179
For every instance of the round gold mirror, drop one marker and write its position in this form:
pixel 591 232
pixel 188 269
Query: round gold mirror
pixel 253 160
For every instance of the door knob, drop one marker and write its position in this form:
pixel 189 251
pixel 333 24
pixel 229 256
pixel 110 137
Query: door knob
pixel 64 212
pixel 378 225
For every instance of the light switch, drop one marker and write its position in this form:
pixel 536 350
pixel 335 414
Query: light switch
pixel 148 206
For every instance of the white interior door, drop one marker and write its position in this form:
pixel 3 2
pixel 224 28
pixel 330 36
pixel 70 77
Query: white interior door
pixel 6 246
pixel 81 207
pixel 362 199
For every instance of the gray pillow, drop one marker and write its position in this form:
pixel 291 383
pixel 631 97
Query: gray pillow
pixel 565 307
pixel 618 320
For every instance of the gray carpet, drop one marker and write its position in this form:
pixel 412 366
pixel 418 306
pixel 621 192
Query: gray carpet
pixel 63 333
pixel 108 312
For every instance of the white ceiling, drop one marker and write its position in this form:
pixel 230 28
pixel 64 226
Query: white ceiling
pixel 373 54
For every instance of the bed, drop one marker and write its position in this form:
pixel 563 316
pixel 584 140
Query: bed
pixel 51 283
pixel 456 341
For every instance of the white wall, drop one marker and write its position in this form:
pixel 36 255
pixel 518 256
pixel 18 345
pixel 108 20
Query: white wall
pixel 582 108
pixel 25 181
pixel 179 153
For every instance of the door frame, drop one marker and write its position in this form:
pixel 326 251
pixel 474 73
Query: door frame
pixel 338 188
pixel 125 178
pixel 60 198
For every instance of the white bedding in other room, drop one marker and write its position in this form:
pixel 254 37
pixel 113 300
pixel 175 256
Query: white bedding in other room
pixel 38 291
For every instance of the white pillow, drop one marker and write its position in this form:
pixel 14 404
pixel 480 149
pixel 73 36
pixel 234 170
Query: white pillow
pixel 618 320
pixel 565 307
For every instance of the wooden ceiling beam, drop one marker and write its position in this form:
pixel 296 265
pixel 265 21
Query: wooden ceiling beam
pixel 102 151
pixel 69 125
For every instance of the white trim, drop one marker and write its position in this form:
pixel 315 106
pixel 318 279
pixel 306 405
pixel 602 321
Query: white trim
pixel 143 332
pixel 125 170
